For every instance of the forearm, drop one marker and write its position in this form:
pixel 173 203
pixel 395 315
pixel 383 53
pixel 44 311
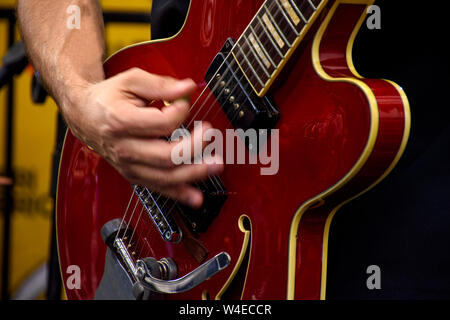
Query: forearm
pixel 67 60
pixel 111 116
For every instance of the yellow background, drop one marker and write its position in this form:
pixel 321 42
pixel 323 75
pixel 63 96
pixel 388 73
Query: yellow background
pixel 34 131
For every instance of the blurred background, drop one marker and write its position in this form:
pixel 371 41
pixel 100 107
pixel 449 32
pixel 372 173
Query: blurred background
pixel 28 135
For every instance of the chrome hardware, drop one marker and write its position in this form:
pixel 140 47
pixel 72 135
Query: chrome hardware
pixel 149 276
pixel 164 269
pixel 126 257
pixel 185 283
pixel 166 227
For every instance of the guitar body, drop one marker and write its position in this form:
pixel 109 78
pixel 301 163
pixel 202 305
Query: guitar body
pixel 339 134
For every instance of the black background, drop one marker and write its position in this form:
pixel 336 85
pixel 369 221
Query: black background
pixel 403 224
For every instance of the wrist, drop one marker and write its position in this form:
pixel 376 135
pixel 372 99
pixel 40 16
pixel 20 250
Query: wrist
pixel 72 103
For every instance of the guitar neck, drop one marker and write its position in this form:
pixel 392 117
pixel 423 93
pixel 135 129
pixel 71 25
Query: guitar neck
pixel 271 37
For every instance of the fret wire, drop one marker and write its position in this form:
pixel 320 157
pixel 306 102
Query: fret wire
pixel 316 3
pixel 263 52
pixel 298 10
pixel 312 4
pixel 273 32
pixel 277 27
pixel 262 47
pixel 305 4
pixel 284 26
pixel 268 44
pixel 264 76
pixel 257 56
pixel 251 67
pixel 287 18
pixel 270 37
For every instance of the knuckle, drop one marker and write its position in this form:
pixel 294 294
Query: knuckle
pixel 123 155
pixel 113 125
pixel 127 76
pixel 134 71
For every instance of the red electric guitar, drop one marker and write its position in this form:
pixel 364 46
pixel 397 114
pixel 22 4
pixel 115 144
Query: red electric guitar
pixel 274 64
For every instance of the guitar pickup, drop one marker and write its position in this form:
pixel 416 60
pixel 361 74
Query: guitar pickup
pixel 243 107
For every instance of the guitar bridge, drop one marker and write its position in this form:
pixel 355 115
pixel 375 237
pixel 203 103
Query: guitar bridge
pixel 163 222
pixel 161 209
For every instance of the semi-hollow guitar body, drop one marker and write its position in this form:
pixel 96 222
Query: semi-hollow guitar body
pixel 339 135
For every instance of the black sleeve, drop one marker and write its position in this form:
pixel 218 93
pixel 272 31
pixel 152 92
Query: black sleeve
pixel 167 17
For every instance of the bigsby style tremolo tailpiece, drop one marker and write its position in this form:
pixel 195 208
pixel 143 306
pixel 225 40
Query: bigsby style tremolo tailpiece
pixel 149 275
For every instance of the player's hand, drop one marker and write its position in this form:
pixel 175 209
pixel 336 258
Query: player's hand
pixel 113 117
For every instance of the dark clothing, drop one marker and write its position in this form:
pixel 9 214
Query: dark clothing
pixel 167 17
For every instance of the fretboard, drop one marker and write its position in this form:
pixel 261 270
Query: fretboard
pixel 271 37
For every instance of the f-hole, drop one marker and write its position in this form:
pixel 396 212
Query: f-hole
pixel 234 288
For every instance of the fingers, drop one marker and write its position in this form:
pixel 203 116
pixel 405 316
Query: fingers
pixel 185 194
pixel 165 178
pixel 152 122
pixel 154 87
pixel 174 182
pixel 159 152
pixel 133 130
pixel 191 146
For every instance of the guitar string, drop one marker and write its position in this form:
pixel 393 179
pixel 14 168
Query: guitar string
pixel 131 218
pixel 134 188
pixel 225 60
pixel 161 208
pixel 218 111
pixel 126 211
pixel 134 229
pixel 229 125
pixel 232 64
pixel 207 98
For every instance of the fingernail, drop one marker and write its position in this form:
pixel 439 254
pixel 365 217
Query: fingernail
pixel 185 83
pixel 195 200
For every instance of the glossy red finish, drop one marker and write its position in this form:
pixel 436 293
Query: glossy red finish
pixel 323 131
